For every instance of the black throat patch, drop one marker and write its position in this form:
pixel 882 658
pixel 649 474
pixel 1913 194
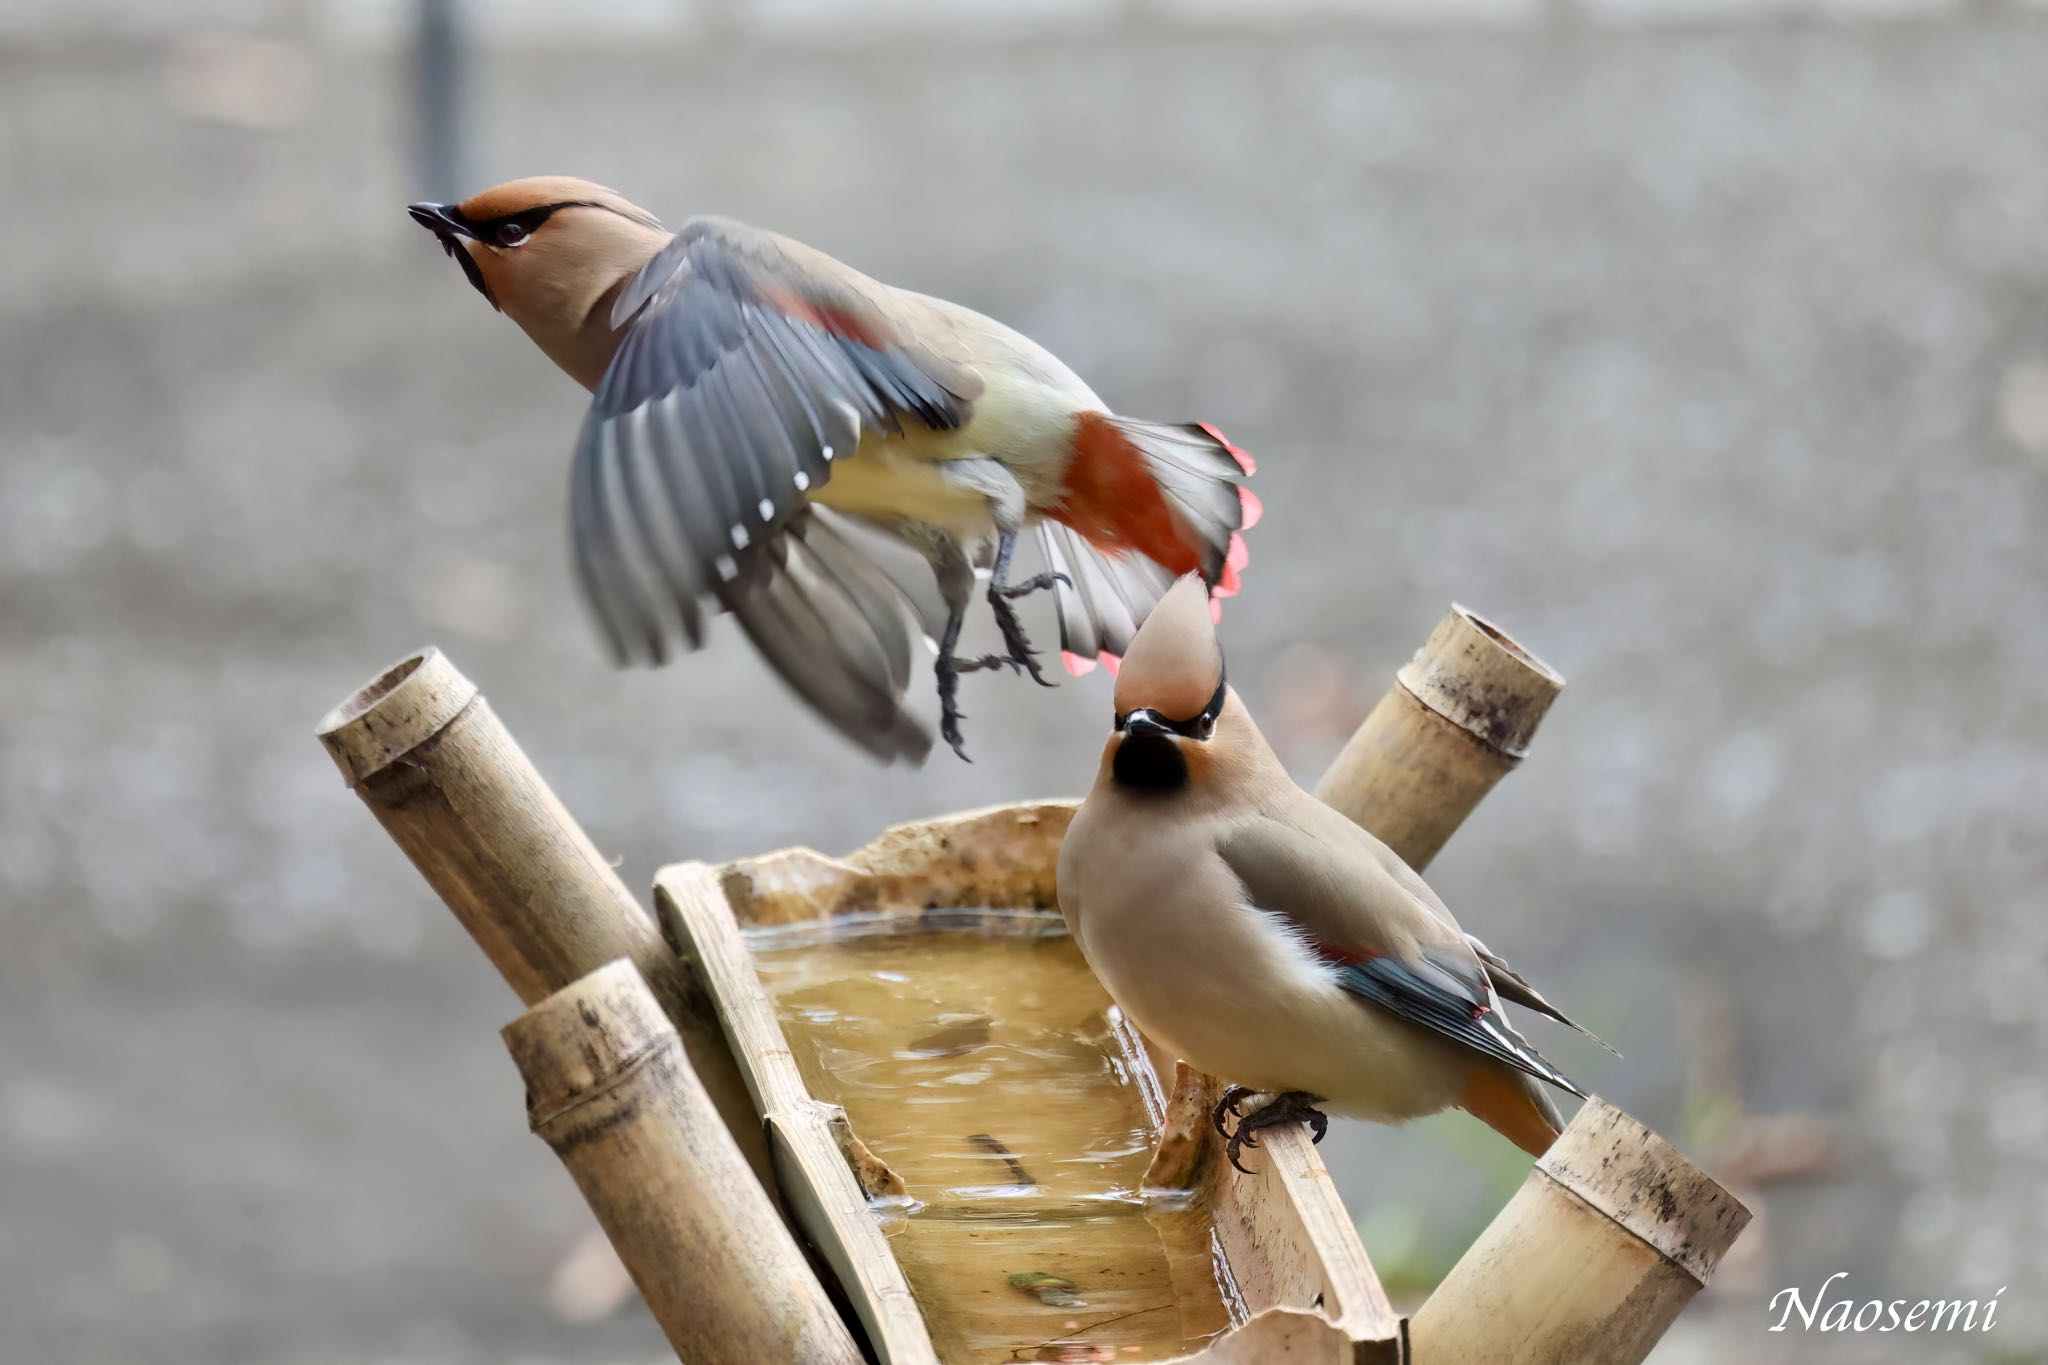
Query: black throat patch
pixel 1149 763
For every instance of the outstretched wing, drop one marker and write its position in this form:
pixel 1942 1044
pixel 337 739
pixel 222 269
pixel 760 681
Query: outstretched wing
pixel 1386 946
pixel 748 366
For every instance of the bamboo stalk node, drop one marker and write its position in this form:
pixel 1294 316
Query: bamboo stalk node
pixel 584 1039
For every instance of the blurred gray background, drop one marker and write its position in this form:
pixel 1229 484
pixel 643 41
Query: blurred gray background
pixel 1703 344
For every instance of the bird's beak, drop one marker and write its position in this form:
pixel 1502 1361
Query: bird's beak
pixel 448 225
pixel 1144 723
pixel 443 220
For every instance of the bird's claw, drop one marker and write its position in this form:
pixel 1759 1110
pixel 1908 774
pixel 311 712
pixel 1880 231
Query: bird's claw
pixel 1229 1107
pixel 949 730
pixel 1291 1106
pixel 949 670
pixel 1022 655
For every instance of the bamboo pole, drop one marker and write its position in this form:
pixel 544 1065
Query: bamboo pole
pixel 607 1087
pixel 448 783
pixel 1607 1240
pixel 1614 1231
pixel 1458 718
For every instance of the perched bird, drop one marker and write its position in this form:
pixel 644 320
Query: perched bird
pixel 1268 940
pixel 770 429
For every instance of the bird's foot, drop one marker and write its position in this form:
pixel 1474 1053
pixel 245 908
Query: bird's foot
pixel 1230 1106
pixel 1014 639
pixel 1036 583
pixel 1290 1106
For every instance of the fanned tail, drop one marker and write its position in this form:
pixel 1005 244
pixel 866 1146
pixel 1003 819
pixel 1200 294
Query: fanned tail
pixel 1152 501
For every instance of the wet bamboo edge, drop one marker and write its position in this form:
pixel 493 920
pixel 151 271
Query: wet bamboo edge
pixel 1294 1252
pixel 609 1090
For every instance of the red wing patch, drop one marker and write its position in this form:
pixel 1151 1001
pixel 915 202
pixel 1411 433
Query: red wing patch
pixel 840 322
pixel 1343 957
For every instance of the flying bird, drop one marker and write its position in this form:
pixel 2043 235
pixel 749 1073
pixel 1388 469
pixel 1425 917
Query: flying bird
pixel 1267 939
pixel 775 435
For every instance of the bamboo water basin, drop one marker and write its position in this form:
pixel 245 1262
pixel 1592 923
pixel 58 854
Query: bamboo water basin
pixel 990 1163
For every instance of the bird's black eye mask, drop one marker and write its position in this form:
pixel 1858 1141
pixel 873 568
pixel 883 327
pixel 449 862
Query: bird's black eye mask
pixel 447 222
pixel 1198 726
pixel 1148 758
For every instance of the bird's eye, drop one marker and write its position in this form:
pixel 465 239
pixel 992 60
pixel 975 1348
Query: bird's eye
pixel 508 234
pixel 1208 726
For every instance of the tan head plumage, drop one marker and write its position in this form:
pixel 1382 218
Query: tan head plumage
pixel 547 251
pixel 1175 664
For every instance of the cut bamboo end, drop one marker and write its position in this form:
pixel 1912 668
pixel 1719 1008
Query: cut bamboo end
pixel 609 1089
pixel 394 713
pixel 444 777
pixel 1644 1184
pixel 1475 676
pixel 1605 1243
pixel 1460 716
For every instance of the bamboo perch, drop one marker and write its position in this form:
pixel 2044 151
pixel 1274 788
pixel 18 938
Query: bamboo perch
pixel 1614 1231
pixel 1458 718
pixel 1607 1240
pixel 608 1088
pixel 449 784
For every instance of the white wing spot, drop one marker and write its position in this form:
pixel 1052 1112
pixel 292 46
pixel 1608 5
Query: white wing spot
pixel 727 570
pixel 803 481
pixel 767 510
pixel 828 452
pixel 740 539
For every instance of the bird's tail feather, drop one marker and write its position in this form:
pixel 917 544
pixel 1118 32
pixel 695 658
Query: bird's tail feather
pixel 1513 1104
pixel 1200 477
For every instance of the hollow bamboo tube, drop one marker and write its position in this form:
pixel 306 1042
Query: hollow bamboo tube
pixel 1611 1235
pixel 1458 718
pixel 607 1087
pixel 448 783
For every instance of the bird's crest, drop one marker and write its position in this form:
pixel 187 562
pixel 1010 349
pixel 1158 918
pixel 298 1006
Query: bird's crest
pixel 1175 665
pixel 546 191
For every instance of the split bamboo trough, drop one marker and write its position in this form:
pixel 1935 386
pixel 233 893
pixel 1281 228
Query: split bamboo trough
pixel 745 1206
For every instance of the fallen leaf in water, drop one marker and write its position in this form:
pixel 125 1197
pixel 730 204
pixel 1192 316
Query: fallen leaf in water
pixel 957 1033
pixel 1049 1289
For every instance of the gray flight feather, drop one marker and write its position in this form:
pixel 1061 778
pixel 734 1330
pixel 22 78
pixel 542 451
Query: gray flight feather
pixel 748 366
